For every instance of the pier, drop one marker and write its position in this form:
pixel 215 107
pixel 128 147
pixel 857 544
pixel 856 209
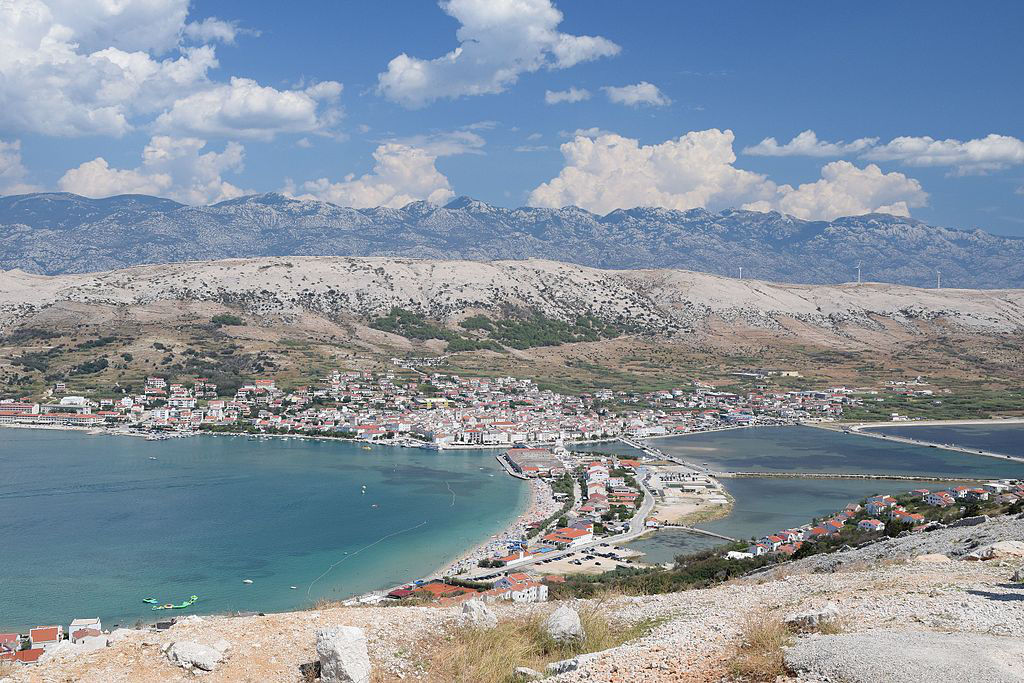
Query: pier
pixel 508 467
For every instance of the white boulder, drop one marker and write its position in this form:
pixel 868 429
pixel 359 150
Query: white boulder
pixel 812 619
pixel 343 655
pixel 476 613
pixel 999 551
pixel 563 625
pixel 191 656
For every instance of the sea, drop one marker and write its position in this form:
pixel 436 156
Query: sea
pixel 96 523
pixel 93 524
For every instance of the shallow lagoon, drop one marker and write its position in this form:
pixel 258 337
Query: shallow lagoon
pixel 809 449
pixel 1007 439
pixel 95 525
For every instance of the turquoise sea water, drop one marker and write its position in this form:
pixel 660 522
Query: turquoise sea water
pixel 1007 439
pixel 92 525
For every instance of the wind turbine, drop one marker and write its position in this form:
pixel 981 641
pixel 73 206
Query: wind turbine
pixel 858 272
pixel 741 272
pixel 938 279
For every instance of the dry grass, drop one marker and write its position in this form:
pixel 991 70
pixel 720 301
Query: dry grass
pixel 759 656
pixel 479 655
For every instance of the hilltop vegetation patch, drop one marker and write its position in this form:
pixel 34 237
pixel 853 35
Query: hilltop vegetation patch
pixel 483 332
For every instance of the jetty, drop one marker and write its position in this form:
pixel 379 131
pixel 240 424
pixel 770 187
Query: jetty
pixel 503 459
pixel 840 475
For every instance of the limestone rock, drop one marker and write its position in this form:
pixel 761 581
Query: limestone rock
pixel 812 619
pixel 1018 576
pixel 191 656
pixel 999 551
pixel 476 613
pixel 932 558
pixel 570 664
pixel 563 625
pixel 343 655
pixel 525 673
pixel 222 646
pixel 970 521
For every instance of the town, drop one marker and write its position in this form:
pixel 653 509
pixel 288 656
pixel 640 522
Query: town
pixel 432 410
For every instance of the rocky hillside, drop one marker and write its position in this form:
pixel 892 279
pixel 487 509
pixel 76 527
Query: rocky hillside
pixel 660 302
pixel 851 621
pixel 64 233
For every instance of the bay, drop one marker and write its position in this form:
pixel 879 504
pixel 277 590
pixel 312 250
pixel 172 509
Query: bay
pixel 93 525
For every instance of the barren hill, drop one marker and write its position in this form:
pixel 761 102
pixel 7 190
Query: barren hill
pixel 570 326
pixel 650 301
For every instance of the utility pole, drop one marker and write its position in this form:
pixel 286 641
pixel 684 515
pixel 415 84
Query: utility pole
pixel 858 272
pixel 741 272
pixel 938 279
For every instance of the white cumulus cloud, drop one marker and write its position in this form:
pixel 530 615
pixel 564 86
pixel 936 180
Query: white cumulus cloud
pixel 980 155
pixel 808 144
pixel 12 172
pixel 107 67
pixel 211 29
pixel 609 172
pixel 245 108
pixel 171 167
pixel 498 41
pixel 846 190
pixel 401 174
pixel 570 95
pixel 990 153
pixel 637 94
pixel 697 170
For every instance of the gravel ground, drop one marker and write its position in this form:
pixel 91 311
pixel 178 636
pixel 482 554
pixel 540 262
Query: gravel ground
pixel 875 589
pixel 910 657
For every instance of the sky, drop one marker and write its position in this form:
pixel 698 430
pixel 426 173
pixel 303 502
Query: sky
pixel 813 109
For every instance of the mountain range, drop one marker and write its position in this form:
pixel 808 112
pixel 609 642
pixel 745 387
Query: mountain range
pixel 55 233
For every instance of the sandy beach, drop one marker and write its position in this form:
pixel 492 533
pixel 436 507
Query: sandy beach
pixel 541 506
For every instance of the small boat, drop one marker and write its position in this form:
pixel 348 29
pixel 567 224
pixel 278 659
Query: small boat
pixel 171 605
pixel 152 457
pixel 293 587
pixel 375 505
pixel 150 601
pixel 367 448
pixel 246 580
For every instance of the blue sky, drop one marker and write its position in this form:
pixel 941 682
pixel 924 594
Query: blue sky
pixel 913 107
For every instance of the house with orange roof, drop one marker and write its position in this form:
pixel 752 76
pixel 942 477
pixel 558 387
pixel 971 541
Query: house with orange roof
pixel 45 636
pixel 569 538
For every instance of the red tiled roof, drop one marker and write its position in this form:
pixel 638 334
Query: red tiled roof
pixel 44 634
pixel 28 656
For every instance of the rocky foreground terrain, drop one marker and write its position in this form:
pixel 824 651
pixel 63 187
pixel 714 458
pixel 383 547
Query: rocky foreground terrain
pixel 909 609
pixel 645 301
pixel 65 233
